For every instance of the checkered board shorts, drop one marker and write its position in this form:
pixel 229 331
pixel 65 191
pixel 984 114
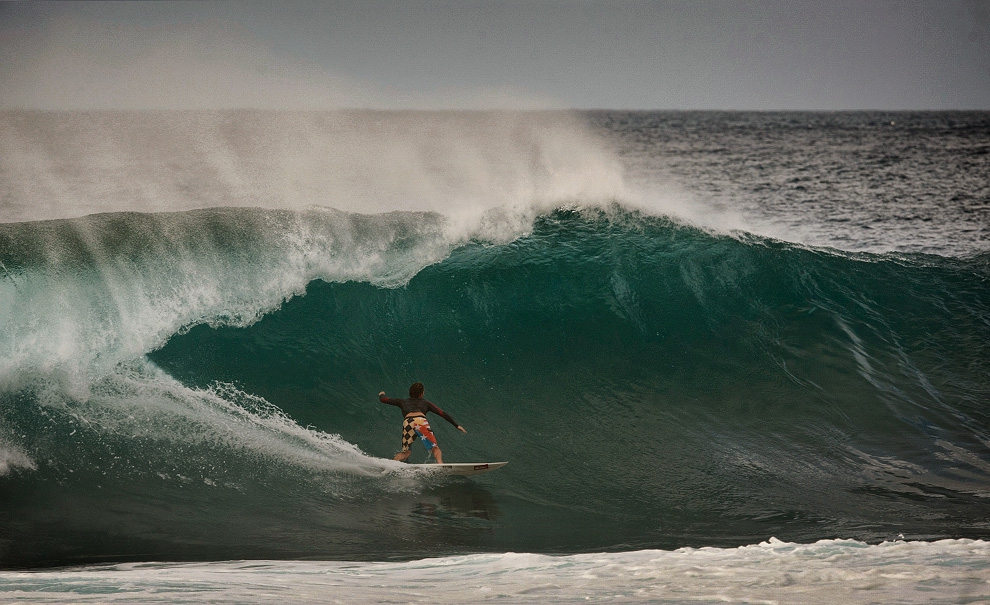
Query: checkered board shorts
pixel 417 426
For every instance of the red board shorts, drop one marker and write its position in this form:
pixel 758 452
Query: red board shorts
pixel 417 426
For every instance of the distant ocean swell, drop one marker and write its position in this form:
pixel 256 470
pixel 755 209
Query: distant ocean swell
pixel 201 385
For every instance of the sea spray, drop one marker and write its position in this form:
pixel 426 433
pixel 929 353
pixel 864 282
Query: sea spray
pixel 461 164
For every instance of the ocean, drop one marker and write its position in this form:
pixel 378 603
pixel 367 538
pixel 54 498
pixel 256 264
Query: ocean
pixel 733 356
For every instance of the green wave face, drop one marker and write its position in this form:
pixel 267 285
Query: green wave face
pixel 651 385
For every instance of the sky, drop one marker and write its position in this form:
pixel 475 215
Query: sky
pixel 424 54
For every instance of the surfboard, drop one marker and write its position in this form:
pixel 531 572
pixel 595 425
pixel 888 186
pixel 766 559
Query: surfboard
pixel 462 469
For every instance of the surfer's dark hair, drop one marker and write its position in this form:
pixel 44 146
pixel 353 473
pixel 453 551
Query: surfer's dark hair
pixel 416 390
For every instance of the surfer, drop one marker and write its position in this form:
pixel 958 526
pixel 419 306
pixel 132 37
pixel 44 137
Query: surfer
pixel 415 424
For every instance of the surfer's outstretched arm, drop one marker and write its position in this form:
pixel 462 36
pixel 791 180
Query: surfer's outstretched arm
pixel 388 400
pixel 436 410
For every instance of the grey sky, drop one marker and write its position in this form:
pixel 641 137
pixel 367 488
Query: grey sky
pixel 761 54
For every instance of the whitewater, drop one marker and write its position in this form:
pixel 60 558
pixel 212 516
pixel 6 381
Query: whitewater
pixel 729 356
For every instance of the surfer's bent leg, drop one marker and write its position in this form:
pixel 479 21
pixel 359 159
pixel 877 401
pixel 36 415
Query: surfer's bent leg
pixel 422 428
pixel 408 436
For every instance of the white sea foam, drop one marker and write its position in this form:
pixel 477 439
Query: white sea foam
pixel 827 572
pixel 13 457
pixel 141 405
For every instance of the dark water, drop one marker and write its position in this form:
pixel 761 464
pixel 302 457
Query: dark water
pixel 865 181
pixel 202 384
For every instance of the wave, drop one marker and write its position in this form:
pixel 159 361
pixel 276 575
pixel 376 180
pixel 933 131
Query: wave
pixel 209 378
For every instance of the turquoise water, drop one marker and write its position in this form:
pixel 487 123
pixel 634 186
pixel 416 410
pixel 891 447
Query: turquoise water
pixel 653 385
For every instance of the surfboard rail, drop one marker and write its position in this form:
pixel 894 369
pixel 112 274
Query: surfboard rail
pixel 462 469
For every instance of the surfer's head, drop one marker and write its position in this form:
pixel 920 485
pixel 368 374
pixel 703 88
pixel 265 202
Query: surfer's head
pixel 416 390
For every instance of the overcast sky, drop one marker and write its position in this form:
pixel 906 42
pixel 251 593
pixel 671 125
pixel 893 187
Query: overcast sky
pixel 724 54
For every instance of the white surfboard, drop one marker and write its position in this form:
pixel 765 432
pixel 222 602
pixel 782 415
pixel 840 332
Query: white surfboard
pixel 462 469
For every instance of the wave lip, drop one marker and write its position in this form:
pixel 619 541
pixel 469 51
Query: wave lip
pixel 82 295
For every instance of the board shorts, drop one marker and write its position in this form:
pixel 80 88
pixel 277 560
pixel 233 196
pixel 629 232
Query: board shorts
pixel 417 426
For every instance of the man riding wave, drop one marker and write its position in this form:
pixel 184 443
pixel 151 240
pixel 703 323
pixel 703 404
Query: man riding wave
pixel 415 423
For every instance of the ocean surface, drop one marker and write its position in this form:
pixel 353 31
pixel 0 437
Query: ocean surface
pixel 728 356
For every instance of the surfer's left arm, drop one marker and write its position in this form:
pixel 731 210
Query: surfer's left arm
pixel 436 410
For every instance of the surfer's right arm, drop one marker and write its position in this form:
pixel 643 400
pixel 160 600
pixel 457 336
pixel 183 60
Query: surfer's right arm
pixel 384 399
